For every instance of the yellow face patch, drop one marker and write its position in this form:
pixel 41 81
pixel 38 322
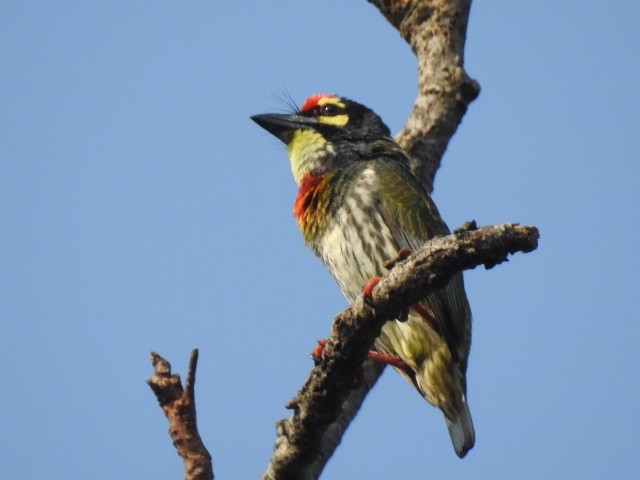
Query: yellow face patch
pixel 306 149
pixel 337 120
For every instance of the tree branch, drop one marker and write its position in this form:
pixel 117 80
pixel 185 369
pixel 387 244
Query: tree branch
pixel 300 449
pixel 436 31
pixel 179 406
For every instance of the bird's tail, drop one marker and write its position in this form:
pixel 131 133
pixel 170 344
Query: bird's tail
pixel 461 428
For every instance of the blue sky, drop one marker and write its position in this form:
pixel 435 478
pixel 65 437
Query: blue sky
pixel 142 210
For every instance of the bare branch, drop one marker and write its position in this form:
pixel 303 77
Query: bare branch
pixel 436 32
pixel 179 406
pixel 300 449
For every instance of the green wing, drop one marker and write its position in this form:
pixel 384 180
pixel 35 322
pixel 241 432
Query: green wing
pixel 413 218
pixel 407 205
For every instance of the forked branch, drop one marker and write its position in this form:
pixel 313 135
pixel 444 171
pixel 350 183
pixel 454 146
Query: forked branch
pixel 179 406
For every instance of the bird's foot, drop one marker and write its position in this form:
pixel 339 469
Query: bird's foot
pixel 393 360
pixel 367 288
pixel 316 353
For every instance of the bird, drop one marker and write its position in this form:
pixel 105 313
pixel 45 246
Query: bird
pixel 359 206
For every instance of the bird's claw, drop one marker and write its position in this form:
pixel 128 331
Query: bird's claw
pixel 316 353
pixel 393 360
pixel 367 288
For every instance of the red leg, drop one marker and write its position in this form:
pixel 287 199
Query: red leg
pixel 367 288
pixel 392 360
pixel 316 353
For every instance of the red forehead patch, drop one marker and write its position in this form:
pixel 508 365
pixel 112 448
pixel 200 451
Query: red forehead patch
pixel 310 103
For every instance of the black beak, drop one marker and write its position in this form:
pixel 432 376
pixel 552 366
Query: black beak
pixel 282 125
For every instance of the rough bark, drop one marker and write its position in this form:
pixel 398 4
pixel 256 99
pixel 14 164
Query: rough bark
pixel 436 31
pixel 301 448
pixel 179 406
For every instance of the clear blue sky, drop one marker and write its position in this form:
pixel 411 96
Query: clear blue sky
pixel 141 209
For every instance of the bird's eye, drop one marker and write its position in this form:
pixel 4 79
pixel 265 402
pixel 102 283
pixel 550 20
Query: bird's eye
pixel 328 110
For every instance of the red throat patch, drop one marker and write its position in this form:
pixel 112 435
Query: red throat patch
pixel 306 204
pixel 311 102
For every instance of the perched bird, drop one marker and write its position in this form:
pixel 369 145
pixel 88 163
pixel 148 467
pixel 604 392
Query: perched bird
pixel 360 206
